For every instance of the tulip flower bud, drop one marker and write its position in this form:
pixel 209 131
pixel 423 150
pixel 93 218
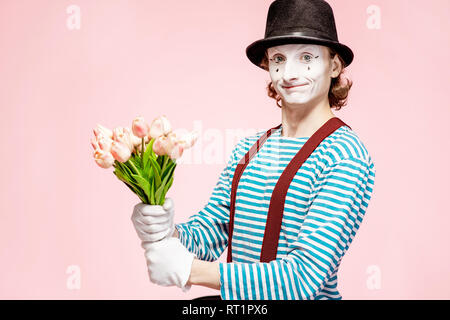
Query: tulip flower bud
pixel 173 147
pixel 94 144
pixel 176 151
pixel 104 143
pixel 101 130
pixel 159 145
pixel 123 135
pixel 140 127
pixel 189 139
pixel 120 151
pixel 160 126
pixel 103 159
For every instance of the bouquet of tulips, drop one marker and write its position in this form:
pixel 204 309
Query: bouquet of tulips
pixel 144 158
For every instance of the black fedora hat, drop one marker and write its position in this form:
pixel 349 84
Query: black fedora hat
pixel 299 21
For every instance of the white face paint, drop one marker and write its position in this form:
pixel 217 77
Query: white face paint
pixel 301 73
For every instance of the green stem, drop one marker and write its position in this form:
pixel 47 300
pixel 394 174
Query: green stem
pixel 142 152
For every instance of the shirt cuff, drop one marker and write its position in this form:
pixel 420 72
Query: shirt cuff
pixel 236 281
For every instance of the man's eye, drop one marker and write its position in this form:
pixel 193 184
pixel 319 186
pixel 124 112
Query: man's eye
pixel 307 57
pixel 304 58
pixel 277 59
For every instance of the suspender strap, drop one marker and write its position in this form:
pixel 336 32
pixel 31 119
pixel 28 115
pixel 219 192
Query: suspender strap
pixel 276 206
pixel 237 175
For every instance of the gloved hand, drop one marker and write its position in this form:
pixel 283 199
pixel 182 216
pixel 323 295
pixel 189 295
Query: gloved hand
pixel 169 263
pixel 154 222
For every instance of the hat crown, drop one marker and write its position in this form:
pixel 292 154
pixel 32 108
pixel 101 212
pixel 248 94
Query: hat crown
pixel 312 18
pixel 299 21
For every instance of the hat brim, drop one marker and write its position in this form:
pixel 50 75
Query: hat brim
pixel 255 51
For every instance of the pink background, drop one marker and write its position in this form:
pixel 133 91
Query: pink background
pixel 186 59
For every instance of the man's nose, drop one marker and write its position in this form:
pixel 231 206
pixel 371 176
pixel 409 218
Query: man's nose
pixel 290 71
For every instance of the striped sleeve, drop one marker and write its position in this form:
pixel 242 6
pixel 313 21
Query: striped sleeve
pixel 206 232
pixel 340 199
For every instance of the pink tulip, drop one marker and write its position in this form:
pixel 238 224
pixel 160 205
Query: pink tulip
pixel 168 145
pixel 103 159
pixel 94 144
pixel 101 130
pixel 139 127
pixel 105 144
pixel 174 149
pixel 159 127
pixel 174 146
pixel 120 151
pixel 158 145
pixel 177 151
pixel 103 138
pixel 102 145
pixel 99 144
pixel 189 139
pixel 124 135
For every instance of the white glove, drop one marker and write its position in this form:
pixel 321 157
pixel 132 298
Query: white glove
pixel 154 222
pixel 169 263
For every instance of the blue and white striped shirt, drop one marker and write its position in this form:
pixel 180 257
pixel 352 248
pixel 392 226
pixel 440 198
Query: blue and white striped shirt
pixel 325 205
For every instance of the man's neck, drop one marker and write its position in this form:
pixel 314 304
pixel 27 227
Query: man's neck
pixel 303 121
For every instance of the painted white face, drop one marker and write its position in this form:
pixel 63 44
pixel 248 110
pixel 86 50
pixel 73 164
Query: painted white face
pixel 301 73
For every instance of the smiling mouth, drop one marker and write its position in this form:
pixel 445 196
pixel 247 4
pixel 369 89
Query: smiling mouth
pixel 300 85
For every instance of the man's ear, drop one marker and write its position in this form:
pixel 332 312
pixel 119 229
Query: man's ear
pixel 336 66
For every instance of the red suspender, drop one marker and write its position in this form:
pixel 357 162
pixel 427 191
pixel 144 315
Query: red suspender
pixel 237 175
pixel 276 206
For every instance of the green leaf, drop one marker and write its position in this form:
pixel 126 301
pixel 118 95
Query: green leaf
pixel 167 161
pixel 160 160
pixel 125 170
pixel 144 184
pixel 151 174
pixel 168 169
pixel 134 163
pixel 119 172
pixel 157 172
pixel 166 188
pixel 152 192
pixel 126 173
pixel 170 172
pixel 148 153
pixel 140 195
pixel 147 172
pixel 168 185
pixel 160 193
pixel 135 190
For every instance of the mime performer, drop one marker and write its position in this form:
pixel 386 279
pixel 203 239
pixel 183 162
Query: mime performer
pixel 291 198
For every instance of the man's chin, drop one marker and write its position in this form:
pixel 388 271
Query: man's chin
pixel 296 102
